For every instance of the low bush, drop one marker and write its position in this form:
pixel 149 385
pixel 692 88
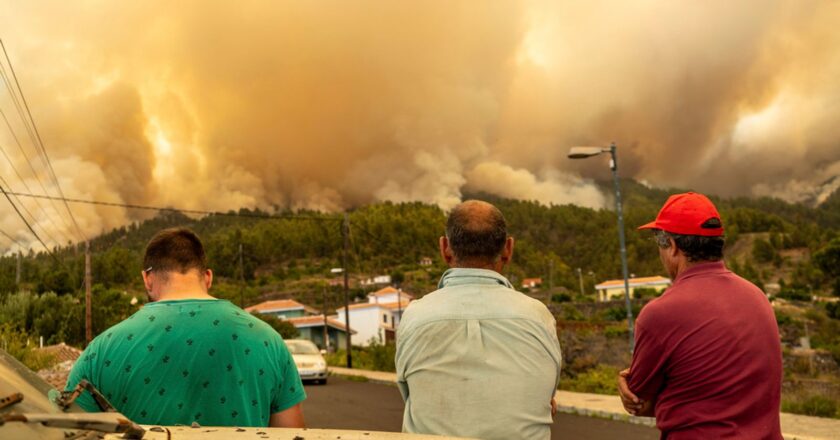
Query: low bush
pixel 377 357
pixel 816 405
pixel 599 380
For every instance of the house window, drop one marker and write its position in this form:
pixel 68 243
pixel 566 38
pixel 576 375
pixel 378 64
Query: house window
pixel 385 319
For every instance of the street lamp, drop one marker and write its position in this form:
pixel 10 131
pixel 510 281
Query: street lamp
pixel 586 152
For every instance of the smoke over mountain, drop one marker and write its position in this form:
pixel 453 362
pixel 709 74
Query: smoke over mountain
pixel 329 104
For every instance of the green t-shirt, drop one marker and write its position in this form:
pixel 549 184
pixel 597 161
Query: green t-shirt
pixel 178 362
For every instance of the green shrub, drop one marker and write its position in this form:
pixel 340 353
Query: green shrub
pixel 569 312
pixel 615 331
pixel 792 294
pixel 599 380
pixel 285 328
pixel 833 310
pixel 614 314
pixel 561 297
pixel 815 405
pixel 376 357
pixel 782 318
pixel 17 344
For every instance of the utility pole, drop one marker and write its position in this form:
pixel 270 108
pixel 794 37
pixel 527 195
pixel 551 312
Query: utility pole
pixel 550 275
pixel 345 233
pixel 17 272
pixel 241 279
pixel 326 330
pixel 399 308
pixel 88 323
pixel 622 243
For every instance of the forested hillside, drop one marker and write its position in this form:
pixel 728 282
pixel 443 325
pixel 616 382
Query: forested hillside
pixel 290 254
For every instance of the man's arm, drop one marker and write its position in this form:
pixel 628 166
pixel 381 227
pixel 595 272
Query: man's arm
pixel 82 370
pixel 632 403
pixel 639 386
pixel 289 418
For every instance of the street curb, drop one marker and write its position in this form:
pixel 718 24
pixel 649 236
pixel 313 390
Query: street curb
pixel 824 428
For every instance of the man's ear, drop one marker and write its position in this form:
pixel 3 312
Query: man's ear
pixel 507 252
pixel 147 280
pixel 208 278
pixel 446 251
pixel 673 250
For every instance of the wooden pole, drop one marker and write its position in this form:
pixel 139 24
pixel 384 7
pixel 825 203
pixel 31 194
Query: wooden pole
pixel 345 232
pixel 326 329
pixel 88 323
pixel 17 272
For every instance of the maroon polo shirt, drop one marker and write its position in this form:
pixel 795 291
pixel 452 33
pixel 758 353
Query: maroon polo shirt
pixel 708 351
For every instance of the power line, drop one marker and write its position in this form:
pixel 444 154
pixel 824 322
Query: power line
pixel 183 211
pixel 40 142
pixel 5 234
pixel 5 193
pixel 23 181
pixel 19 109
pixel 26 210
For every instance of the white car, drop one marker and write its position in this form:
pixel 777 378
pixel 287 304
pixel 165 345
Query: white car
pixel 309 360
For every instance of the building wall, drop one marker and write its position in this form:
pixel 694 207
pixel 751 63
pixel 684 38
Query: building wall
pixel 338 339
pixel 618 292
pixel 365 322
pixel 285 314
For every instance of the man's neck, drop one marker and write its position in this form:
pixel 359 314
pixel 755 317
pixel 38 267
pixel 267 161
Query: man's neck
pixel 172 295
pixel 495 266
pixel 685 265
pixel 182 288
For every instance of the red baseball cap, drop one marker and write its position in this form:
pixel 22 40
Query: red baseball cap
pixel 688 214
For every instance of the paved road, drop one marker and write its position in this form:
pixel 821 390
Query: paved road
pixel 364 405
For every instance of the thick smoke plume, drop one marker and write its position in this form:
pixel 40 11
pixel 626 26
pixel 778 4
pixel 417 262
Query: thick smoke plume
pixel 328 104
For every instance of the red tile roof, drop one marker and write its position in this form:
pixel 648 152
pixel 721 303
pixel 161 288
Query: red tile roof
pixel 396 306
pixel 317 320
pixel 390 291
pixel 279 306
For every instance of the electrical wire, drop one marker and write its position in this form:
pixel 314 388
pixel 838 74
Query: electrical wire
pixel 37 136
pixel 183 211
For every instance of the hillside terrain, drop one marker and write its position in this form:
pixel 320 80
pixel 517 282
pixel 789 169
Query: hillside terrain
pixel 790 250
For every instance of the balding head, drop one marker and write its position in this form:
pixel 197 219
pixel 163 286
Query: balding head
pixel 476 232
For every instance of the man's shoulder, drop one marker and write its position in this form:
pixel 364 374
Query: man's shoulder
pixel 495 301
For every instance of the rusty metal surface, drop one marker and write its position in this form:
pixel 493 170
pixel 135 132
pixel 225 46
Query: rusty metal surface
pixel 225 433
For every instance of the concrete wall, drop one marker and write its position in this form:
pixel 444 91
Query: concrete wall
pixel 366 322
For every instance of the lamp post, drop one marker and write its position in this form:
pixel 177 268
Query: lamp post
pixel 586 152
pixel 580 278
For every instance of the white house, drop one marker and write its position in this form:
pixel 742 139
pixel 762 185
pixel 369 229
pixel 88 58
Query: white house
pixel 614 289
pixel 377 280
pixel 377 319
pixel 282 308
pixel 310 325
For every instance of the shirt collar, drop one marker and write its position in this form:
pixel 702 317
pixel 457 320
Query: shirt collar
pixel 459 275
pixel 702 268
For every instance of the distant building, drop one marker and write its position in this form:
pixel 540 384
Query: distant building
pixel 614 289
pixel 282 308
pixel 426 261
pixel 376 320
pixel 306 320
pixel 378 280
pixel 530 283
pixel 312 328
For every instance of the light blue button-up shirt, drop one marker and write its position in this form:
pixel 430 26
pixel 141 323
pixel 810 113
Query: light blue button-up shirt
pixel 478 359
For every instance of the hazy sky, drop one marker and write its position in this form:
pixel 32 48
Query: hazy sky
pixel 332 104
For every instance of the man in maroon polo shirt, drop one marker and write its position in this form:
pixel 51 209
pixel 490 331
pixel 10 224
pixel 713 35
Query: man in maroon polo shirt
pixel 708 361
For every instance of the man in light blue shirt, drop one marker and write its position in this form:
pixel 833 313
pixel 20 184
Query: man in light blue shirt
pixel 477 358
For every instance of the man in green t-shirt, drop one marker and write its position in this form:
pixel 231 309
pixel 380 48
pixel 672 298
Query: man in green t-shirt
pixel 188 357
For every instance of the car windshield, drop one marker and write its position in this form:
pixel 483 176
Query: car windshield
pixel 302 347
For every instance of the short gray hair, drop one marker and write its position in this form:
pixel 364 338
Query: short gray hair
pixel 474 235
